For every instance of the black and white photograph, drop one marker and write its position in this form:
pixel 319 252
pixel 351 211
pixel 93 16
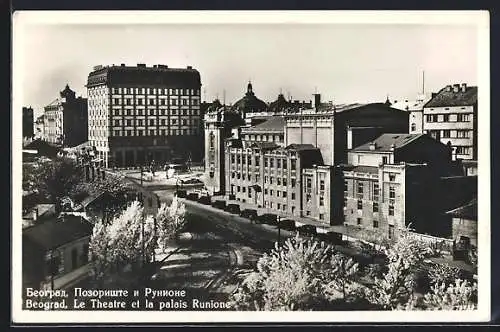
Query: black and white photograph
pixel 250 166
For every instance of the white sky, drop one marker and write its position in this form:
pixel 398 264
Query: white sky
pixel 344 62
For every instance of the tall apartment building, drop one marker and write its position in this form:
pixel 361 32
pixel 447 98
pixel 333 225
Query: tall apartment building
pixel 65 119
pixel 328 126
pixel 142 114
pixel 451 116
pixel 391 182
pixel 28 125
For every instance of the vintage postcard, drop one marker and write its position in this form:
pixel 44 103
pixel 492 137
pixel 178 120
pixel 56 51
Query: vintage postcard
pixel 319 166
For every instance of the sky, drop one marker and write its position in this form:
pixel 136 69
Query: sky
pixel 343 62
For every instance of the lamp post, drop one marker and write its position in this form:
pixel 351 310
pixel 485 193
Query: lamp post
pixel 279 231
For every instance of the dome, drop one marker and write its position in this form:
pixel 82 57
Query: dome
pixel 249 103
pixel 280 104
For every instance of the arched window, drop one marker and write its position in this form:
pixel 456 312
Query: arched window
pixel 413 127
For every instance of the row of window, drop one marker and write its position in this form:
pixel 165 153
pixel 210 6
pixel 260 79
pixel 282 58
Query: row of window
pixel 154 112
pixel 264 138
pixel 154 91
pixel 375 206
pixel 268 161
pixel 151 102
pixel 447 118
pixel 153 122
pixel 154 132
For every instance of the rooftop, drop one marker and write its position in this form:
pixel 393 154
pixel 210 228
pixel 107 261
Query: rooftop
pixel 468 211
pixel 385 142
pixel 272 124
pixel 56 232
pixel 364 169
pixel 465 96
pixel 301 147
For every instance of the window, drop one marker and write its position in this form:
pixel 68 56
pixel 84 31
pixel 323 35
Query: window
pixel 284 163
pixel 462 150
pixel 308 197
pixel 271 192
pixel 375 223
pixel 293 196
pixel 293 164
pixel 270 180
pixel 129 132
pixel 322 185
pixel 446 118
pixel 278 181
pixel 431 118
pixel 375 206
pixel 375 191
pixel 293 183
pixel 384 160
pixel 265 179
pixel 308 213
pixel 446 133
pixel 278 163
pixel 463 134
pixel 360 187
pixel 279 206
pixel 284 181
pixel 360 204
pixel 244 189
pixel 413 127
pixel 308 183
pixel 392 177
pixel 277 193
pixel 257 161
pixel 391 231
pixel 358 221
pixel 238 188
pixel 151 133
pixel 391 209
pixel 266 162
pixel 321 201
pixel 265 191
pixel 392 192
pixel 284 194
pixel 249 192
pixel 463 118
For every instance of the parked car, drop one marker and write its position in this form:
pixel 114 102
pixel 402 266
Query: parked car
pixel 249 213
pixel 192 196
pixel 181 193
pixel 287 224
pixel 307 230
pixel 268 218
pixel 204 200
pixel 219 204
pixel 233 208
pixel 330 237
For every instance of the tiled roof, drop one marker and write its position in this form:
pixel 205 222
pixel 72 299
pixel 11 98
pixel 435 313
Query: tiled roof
pixel 384 142
pixel 275 123
pixel 56 232
pixel 301 147
pixel 468 211
pixel 450 98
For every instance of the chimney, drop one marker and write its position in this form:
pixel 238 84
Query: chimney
pixel 373 146
pixel 141 65
pixel 456 87
pixel 123 65
pixel 316 100
pixel 448 88
pixel 464 87
pixel 189 67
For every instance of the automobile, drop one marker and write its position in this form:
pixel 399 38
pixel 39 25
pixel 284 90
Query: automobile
pixel 219 204
pixel 330 237
pixel 181 193
pixel 268 218
pixel 309 230
pixel 249 213
pixel 192 196
pixel 287 224
pixel 233 208
pixel 204 200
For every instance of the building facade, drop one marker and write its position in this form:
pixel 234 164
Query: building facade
pixel 65 119
pixel 28 125
pixel 219 125
pixel 451 116
pixel 142 114
pixel 326 126
pixel 39 127
pixel 389 183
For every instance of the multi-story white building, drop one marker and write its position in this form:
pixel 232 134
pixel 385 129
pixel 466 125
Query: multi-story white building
pixel 142 114
pixel 451 117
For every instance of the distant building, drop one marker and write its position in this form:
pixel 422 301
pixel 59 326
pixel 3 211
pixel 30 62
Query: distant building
pixel 28 125
pixel 65 119
pixel 336 128
pixel 140 114
pixel 55 252
pixel 390 182
pixel 270 129
pixel 249 103
pixel 451 116
pixel 416 109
